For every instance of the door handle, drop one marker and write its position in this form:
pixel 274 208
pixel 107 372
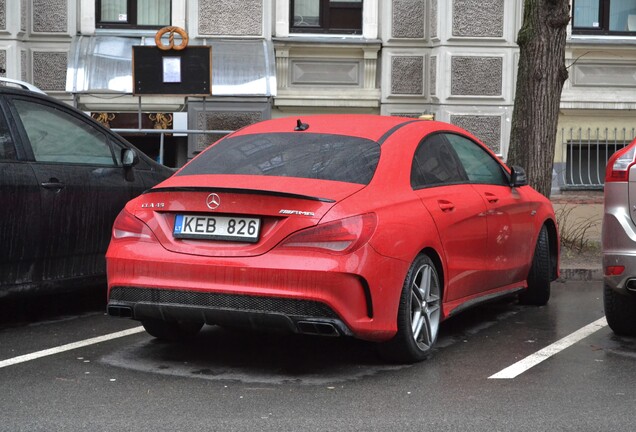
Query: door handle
pixel 491 198
pixel 53 184
pixel 446 206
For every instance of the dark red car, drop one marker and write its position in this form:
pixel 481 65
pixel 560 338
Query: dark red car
pixel 368 226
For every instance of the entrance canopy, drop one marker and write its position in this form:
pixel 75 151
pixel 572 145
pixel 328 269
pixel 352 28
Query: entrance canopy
pixel 103 64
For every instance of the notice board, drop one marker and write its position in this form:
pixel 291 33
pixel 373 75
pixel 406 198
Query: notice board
pixel 184 72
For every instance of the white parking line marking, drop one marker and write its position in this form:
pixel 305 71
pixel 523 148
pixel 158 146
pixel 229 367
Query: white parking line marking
pixel 547 352
pixel 68 347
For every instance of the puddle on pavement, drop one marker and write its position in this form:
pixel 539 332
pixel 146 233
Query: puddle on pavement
pixel 233 355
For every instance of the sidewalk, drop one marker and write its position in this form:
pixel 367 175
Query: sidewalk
pixel 580 215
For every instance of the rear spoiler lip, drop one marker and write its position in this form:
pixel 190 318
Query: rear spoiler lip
pixel 238 191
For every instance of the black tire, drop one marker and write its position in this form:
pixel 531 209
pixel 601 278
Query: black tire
pixel 620 311
pixel 539 279
pixel 419 314
pixel 172 330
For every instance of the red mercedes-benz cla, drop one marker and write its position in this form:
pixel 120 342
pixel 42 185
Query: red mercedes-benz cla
pixel 375 227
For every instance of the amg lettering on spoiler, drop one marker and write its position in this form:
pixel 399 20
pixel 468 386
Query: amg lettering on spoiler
pixel 296 212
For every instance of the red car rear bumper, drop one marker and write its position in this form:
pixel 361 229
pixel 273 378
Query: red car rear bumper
pixel 356 294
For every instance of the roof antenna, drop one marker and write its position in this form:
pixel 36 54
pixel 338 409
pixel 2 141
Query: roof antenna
pixel 300 126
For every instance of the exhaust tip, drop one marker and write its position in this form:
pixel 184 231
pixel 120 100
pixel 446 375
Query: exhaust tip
pixel 120 311
pixel 631 285
pixel 317 328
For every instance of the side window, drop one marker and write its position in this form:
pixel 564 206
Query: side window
pixel 56 136
pixel 604 17
pixel 479 165
pixel 326 16
pixel 132 13
pixel 7 148
pixel 435 163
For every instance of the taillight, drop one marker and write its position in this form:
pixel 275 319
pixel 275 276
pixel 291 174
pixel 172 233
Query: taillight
pixel 338 237
pixel 619 164
pixel 614 270
pixel 127 226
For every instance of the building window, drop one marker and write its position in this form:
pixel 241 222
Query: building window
pixel 133 13
pixel 604 17
pixel 326 16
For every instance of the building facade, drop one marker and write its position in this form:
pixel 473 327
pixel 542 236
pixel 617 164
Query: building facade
pixel 455 59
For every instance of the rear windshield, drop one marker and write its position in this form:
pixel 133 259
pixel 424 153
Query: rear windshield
pixel 305 155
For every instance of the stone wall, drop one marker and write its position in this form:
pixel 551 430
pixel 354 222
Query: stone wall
pixel 455 59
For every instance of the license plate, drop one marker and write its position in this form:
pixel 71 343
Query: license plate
pixel 217 227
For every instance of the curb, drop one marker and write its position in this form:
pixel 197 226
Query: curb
pixel 579 274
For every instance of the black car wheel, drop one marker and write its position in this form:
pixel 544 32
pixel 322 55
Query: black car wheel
pixel 172 330
pixel 419 314
pixel 538 292
pixel 620 311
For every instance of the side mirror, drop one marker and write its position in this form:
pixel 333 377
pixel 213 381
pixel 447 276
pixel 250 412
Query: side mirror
pixel 129 158
pixel 518 177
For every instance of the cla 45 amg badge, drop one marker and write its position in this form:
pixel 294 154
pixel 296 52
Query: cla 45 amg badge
pixel 153 205
pixel 296 212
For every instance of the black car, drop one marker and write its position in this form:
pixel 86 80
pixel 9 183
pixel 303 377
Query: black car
pixel 63 180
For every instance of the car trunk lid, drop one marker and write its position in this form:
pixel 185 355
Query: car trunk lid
pixel 278 207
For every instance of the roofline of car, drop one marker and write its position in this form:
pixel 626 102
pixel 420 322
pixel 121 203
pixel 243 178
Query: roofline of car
pixel 21 85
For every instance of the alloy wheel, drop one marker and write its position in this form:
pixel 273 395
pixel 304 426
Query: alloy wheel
pixel 425 307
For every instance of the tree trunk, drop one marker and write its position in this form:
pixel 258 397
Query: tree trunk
pixel 540 79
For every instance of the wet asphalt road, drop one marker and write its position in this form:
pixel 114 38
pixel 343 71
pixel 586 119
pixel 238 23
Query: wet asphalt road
pixel 228 380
